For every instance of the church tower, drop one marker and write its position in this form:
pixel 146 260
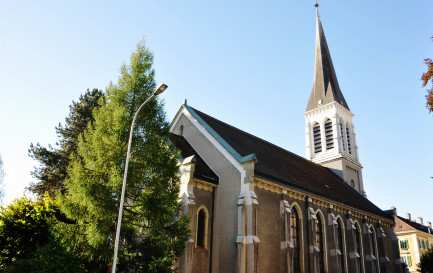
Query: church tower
pixel 330 134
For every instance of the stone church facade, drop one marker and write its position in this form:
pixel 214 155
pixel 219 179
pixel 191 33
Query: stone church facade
pixel 256 207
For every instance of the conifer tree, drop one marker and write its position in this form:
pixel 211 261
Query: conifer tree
pixel 53 162
pixel 153 234
pixel 426 262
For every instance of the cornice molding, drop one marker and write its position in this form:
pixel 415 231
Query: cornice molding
pixel 327 107
pixel 200 184
pixel 318 201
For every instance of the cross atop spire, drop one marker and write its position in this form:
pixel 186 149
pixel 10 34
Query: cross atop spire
pixel 317 8
pixel 325 87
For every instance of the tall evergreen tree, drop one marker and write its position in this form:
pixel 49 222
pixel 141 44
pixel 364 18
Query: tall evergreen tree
pixel 426 262
pixel 54 162
pixel 153 234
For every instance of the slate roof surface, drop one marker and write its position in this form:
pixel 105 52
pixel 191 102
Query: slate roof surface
pixel 289 169
pixel 202 170
pixel 415 225
pixel 325 85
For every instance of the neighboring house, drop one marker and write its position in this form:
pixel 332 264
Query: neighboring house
pixel 256 207
pixel 414 238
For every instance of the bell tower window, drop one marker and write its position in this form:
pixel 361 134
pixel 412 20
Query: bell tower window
pixel 348 139
pixel 342 135
pixel 329 135
pixel 317 138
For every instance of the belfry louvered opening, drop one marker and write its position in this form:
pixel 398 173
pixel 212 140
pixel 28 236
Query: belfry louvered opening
pixel 329 135
pixel 317 138
pixel 348 139
pixel 342 135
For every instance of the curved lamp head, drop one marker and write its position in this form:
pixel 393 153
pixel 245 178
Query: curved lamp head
pixel 160 89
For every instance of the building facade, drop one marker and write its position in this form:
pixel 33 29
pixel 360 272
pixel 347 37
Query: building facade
pixel 256 207
pixel 414 239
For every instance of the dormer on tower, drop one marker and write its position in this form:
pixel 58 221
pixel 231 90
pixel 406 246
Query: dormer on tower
pixel 330 134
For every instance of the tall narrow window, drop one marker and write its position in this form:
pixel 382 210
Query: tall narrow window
pixel 373 248
pixel 319 243
pixel 349 148
pixel 329 135
pixel 342 135
pixel 296 241
pixel 404 244
pixel 317 138
pixel 201 228
pixel 340 245
pixel 358 253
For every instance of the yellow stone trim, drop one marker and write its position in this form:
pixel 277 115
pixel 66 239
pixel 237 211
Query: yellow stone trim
pixel 200 184
pixel 206 223
pixel 270 186
pixel 280 189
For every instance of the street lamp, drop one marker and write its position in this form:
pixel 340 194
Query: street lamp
pixel 158 91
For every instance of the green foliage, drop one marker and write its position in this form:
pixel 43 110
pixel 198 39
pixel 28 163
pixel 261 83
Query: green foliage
pixel 53 162
pixel 426 262
pixel 24 225
pixel 50 258
pixel 153 234
pixel 26 240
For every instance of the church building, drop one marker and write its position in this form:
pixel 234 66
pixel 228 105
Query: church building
pixel 256 207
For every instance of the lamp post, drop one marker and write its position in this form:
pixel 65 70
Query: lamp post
pixel 158 91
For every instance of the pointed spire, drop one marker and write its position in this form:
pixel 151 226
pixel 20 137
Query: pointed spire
pixel 325 87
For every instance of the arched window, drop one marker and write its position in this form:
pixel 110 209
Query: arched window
pixel 202 218
pixel 352 183
pixel 329 135
pixel 340 245
pixel 342 135
pixel 349 148
pixel 181 130
pixel 317 138
pixel 374 257
pixel 295 229
pixel 319 243
pixel 358 249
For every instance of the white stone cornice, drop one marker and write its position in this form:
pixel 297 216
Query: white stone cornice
pixel 327 107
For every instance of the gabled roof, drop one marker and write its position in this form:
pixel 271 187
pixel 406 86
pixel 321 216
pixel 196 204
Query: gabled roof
pixel 201 170
pixel 410 225
pixel 325 85
pixel 283 167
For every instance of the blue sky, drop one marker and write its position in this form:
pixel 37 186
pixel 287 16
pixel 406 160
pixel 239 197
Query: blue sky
pixel 247 63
